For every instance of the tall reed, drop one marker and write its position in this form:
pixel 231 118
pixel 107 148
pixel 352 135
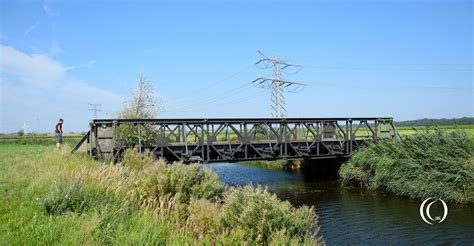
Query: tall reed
pixel 431 163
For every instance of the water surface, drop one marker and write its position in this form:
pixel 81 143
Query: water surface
pixel 356 216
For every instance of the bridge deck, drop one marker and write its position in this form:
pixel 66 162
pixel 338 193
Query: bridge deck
pixel 216 140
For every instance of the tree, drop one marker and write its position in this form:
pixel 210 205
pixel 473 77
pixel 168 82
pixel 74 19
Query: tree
pixel 21 132
pixel 143 103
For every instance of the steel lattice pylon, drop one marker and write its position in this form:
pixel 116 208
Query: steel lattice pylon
pixel 276 83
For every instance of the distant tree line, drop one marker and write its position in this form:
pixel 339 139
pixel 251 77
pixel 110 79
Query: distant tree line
pixel 437 122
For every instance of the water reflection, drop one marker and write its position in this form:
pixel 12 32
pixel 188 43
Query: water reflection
pixel 353 215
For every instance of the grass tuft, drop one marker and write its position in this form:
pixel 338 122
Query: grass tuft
pixel 67 198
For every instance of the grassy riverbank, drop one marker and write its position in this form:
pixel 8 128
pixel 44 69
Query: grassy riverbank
pixel 50 197
pixel 434 163
pixel 288 165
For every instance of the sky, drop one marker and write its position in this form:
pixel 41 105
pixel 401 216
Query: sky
pixel 404 59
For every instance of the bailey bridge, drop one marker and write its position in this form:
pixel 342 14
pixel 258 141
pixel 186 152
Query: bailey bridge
pixel 232 140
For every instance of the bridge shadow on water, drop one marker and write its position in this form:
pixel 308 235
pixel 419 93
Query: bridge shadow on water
pixel 321 169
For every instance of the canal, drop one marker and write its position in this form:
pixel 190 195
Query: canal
pixel 353 215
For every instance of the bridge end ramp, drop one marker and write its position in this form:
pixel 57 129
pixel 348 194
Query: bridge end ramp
pixel 82 144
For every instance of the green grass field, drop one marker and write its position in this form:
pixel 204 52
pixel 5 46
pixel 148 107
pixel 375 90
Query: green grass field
pixel 53 197
pixel 72 140
pixel 38 140
pixel 405 131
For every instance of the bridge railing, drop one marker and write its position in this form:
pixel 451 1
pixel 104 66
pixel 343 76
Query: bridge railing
pixel 213 140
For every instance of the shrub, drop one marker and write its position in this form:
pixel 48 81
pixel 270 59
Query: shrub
pixel 253 215
pixel 428 164
pixel 183 203
pixel 282 238
pixel 203 217
pixel 135 160
pixel 260 213
pixel 159 180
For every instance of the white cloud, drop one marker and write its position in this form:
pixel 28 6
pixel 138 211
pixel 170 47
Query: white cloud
pixel 37 85
pixel 88 64
pixel 81 91
pixel 36 69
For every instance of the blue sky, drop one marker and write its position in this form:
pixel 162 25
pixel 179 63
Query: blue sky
pixel 406 59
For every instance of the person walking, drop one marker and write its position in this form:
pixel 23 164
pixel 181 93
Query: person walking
pixel 58 131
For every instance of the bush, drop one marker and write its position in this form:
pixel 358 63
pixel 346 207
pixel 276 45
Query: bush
pixel 160 180
pixel 261 214
pixel 183 203
pixel 204 217
pixel 135 160
pixel 429 164
pixel 253 215
pixel 127 135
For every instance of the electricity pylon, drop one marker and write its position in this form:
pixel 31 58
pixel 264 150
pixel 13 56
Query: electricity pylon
pixel 277 84
pixel 95 109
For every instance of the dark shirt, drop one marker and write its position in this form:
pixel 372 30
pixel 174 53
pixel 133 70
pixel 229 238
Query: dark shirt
pixel 59 128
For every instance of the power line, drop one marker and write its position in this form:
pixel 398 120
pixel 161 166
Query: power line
pixel 95 109
pixel 399 67
pixel 221 99
pixel 202 107
pixel 186 102
pixel 185 98
pixel 389 87
pixel 223 94
pixel 276 83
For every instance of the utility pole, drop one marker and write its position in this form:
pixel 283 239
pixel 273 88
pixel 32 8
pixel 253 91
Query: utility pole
pixel 39 125
pixel 94 108
pixel 24 127
pixel 277 84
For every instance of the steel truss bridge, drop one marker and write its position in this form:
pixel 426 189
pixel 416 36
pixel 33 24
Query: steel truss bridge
pixel 231 140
